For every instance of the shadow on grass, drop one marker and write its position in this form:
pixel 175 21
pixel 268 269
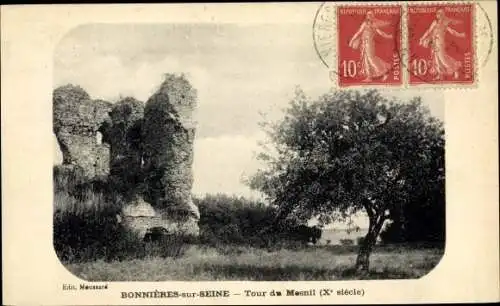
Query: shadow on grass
pixel 352 274
pixel 291 273
pixel 383 248
pixel 251 272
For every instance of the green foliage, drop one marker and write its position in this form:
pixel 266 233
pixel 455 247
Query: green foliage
pixel 335 154
pixel 236 220
pixel 86 227
pixel 349 151
pixel 422 220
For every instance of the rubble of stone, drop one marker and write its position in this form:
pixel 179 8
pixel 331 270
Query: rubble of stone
pixel 145 150
pixel 138 216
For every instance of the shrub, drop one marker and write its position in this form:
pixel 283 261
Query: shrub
pixel 169 246
pixel 231 219
pixel 86 227
pixel 236 220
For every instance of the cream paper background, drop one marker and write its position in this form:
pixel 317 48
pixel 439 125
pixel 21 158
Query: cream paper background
pixel 32 274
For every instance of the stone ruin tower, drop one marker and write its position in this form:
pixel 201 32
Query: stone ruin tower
pixel 77 122
pixel 168 135
pixel 125 137
pixel 146 153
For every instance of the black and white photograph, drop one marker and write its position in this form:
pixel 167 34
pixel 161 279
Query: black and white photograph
pixel 217 152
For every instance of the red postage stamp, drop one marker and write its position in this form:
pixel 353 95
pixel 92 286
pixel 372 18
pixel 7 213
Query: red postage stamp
pixel 369 44
pixel 440 44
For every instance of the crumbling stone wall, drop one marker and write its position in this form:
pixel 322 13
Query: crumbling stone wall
pixel 146 150
pixel 168 135
pixel 125 137
pixel 76 122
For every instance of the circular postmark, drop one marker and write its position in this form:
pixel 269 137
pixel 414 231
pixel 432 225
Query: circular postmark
pixel 352 41
pixel 446 42
pixel 324 28
pixel 484 36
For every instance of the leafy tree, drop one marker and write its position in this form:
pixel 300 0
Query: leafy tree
pixel 350 151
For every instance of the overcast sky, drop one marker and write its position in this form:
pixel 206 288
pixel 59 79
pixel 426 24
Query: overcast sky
pixel 238 72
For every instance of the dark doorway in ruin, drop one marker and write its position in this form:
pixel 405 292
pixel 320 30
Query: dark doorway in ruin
pixel 155 234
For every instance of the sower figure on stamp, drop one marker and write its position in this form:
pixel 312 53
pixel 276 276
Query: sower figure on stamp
pixel 442 64
pixel 372 66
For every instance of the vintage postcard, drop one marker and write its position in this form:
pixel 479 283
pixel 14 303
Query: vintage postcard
pixel 274 153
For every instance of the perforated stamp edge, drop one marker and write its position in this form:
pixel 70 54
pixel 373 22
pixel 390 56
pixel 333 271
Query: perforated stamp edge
pixel 331 58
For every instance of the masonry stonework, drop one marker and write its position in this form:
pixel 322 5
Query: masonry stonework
pixel 145 151
pixel 168 136
pixel 77 123
pixel 126 146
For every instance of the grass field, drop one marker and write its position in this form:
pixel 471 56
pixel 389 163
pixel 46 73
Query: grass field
pixel 232 248
pixel 203 263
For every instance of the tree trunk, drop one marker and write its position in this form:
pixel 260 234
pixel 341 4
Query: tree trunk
pixel 366 247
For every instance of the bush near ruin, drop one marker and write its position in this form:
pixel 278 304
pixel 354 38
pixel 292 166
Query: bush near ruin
pixel 86 227
pixel 240 221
